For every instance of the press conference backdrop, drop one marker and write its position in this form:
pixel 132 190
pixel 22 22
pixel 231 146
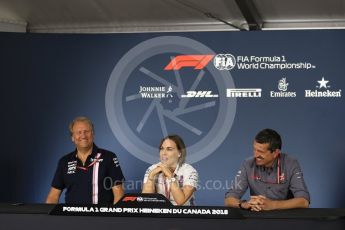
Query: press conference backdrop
pixel 215 89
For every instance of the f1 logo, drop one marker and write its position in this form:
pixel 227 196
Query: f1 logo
pixel 196 61
pixel 129 198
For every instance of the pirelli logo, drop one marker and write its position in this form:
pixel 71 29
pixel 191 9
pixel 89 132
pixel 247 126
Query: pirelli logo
pixel 243 92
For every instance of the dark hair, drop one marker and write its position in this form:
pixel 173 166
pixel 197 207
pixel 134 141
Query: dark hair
pixel 271 137
pixel 179 144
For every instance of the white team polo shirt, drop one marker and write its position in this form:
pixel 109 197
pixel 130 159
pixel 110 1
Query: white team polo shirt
pixel 184 174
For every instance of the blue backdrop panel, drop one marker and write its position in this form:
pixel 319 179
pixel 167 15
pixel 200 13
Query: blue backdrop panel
pixel 47 80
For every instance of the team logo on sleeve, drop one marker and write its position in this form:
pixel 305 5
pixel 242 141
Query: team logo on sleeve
pixel 71 167
pixel 116 162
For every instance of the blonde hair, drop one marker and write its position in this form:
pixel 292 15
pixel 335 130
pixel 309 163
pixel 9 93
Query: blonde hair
pixel 80 119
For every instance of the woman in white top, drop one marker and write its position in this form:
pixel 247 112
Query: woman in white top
pixel 172 177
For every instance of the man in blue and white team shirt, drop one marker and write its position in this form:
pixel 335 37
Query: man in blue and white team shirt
pixel 89 174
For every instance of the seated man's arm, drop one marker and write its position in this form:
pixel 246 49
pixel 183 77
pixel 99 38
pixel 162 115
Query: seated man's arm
pixel 118 192
pixel 117 178
pixel 259 203
pixel 237 203
pixel 298 202
pixel 53 196
pixel 232 202
pixel 299 190
pixel 238 187
pixel 297 187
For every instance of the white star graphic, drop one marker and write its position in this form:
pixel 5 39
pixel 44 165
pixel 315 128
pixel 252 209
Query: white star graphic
pixel 323 83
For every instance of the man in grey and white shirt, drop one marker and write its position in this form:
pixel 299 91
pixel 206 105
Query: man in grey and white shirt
pixel 275 179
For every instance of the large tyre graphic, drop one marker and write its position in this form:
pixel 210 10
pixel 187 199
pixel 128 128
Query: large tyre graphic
pixel 130 116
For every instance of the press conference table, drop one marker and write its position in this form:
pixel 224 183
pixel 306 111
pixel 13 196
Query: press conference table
pixel 35 216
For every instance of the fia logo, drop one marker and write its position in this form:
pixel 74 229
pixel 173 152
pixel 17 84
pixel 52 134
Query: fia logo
pixel 282 84
pixel 224 61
